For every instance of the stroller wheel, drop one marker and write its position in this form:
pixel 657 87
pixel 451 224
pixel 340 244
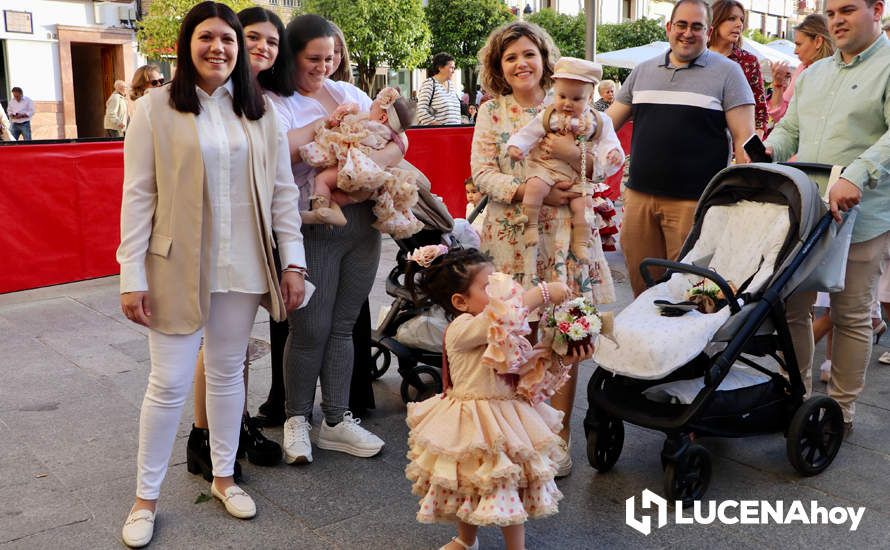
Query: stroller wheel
pixel 380 360
pixel 431 382
pixel 604 443
pixel 687 478
pixel 815 435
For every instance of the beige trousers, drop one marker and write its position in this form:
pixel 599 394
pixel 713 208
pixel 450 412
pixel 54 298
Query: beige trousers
pixel 851 316
pixel 652 227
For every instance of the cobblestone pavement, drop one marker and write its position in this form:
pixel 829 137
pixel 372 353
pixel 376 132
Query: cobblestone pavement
pixel 72 376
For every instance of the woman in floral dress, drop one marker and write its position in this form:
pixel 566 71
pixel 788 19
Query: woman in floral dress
pixel 517 63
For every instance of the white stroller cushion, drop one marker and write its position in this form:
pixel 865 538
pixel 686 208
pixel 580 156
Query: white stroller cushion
pixel 743 241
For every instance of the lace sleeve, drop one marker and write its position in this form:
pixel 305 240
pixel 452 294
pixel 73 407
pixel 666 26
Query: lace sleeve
pixel 508 348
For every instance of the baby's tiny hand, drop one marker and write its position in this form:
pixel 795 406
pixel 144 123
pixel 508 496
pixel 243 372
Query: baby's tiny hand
pixel 515 153
pixel 614 157
pixel 559 292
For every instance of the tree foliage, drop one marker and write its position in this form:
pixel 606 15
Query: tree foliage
pixel 157 32
pixel 757 36
pixel 627 35
pixel 567 31
pixel 461 27
pixel 378 32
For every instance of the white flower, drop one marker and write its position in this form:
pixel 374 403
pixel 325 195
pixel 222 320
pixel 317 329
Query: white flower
pixel 596 324
pixel 577 332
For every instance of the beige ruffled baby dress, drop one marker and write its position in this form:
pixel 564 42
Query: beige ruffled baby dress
pixel 480 452
pixel 394 190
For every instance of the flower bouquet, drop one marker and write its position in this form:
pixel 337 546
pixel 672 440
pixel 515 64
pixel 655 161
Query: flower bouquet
pixel 574 323
pixel 707 295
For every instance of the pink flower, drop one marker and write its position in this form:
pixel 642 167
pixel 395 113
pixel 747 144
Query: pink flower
pixel 426 254
pixel 564 327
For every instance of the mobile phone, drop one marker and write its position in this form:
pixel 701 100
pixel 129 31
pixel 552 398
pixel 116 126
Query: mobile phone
pixel 756 150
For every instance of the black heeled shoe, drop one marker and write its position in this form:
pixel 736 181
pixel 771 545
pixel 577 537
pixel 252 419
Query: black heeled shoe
pixel 270 415
pixel 259 450
pixel 197 454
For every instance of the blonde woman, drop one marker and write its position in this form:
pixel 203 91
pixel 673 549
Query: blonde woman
pixel 812 42
pixel 145 78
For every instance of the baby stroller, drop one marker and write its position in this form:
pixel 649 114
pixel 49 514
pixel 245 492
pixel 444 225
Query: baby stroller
pixel 731 373
pixel 420 368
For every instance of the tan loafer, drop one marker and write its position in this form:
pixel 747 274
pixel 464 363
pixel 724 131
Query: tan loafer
pixel 139 528
pixel 237 502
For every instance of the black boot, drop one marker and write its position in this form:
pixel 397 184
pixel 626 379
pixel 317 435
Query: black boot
pixel 259 450
pixel 198 455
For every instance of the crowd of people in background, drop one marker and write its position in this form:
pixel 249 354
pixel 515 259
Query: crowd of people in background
pixel 205 244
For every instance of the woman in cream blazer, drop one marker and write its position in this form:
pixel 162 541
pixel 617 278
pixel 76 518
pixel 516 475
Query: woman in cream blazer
pixel 207 181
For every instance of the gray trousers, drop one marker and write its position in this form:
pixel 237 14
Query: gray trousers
pixel 342 263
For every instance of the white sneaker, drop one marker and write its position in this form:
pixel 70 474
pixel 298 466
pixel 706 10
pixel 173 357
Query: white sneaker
pixel 297 447
pixel 139 528
pixel 349 437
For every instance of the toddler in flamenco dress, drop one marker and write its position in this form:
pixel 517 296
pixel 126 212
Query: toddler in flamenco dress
pixel 484 451
pixel 347 172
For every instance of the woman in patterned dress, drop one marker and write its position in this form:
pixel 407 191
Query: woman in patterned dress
pixel 517 64
pixel 726 39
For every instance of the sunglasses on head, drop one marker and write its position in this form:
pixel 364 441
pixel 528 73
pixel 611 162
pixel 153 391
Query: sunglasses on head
pixel 157 82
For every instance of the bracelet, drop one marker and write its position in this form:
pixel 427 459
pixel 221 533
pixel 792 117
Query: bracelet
pixel 296 269
pixel 545 292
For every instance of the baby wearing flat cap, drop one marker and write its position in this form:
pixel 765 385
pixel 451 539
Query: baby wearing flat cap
pixel 570 112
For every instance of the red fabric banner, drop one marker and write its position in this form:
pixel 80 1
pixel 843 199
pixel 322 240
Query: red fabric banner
pixel 60 203
pixel 59 212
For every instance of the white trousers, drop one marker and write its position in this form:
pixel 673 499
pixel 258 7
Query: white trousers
pixel 173 359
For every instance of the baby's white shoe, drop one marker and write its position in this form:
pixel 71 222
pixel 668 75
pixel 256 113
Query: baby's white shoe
pixel 474 546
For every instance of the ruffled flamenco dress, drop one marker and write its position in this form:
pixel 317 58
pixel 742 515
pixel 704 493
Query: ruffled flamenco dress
pixel 485 451
pixel 394 190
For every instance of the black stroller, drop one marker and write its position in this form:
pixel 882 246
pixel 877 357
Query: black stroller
pixel 753 334
pixel 420 368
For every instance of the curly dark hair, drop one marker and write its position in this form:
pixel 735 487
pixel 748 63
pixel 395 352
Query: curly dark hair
pixel 449 274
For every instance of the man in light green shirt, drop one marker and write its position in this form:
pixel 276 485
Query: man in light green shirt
pixel 840 115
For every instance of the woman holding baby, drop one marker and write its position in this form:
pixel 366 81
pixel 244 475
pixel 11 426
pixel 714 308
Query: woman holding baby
pixel 517 68
pixel 341 261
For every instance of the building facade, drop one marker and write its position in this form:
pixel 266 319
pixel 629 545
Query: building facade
pixel 66 55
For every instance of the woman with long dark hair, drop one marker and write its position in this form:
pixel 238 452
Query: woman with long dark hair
pixel 264 39
pixel 206 183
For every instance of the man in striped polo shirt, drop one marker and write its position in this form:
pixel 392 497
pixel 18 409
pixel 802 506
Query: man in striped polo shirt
pixel 690 108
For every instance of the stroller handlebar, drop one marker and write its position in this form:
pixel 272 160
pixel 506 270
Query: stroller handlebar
pixel 703 272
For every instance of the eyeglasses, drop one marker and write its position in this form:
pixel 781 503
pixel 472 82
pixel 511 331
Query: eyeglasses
pixel 683 26
pixel 157 82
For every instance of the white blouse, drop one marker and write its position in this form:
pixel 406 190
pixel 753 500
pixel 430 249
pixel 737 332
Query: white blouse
pixel 237 261
pixel 298 111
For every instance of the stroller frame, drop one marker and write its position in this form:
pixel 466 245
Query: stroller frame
pixel 813 428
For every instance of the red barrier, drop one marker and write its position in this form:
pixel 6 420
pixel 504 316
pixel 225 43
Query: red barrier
pixel 60 203
pixel 443 154
pixel 59 212
pixel 614 181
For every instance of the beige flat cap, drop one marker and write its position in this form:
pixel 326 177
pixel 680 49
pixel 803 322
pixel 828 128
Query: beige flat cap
pixel 578 69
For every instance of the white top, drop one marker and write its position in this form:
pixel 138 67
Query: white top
pixel 532 133
pixel 437 103
pixel 237 261
pixel 23 107
pixel 298 111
